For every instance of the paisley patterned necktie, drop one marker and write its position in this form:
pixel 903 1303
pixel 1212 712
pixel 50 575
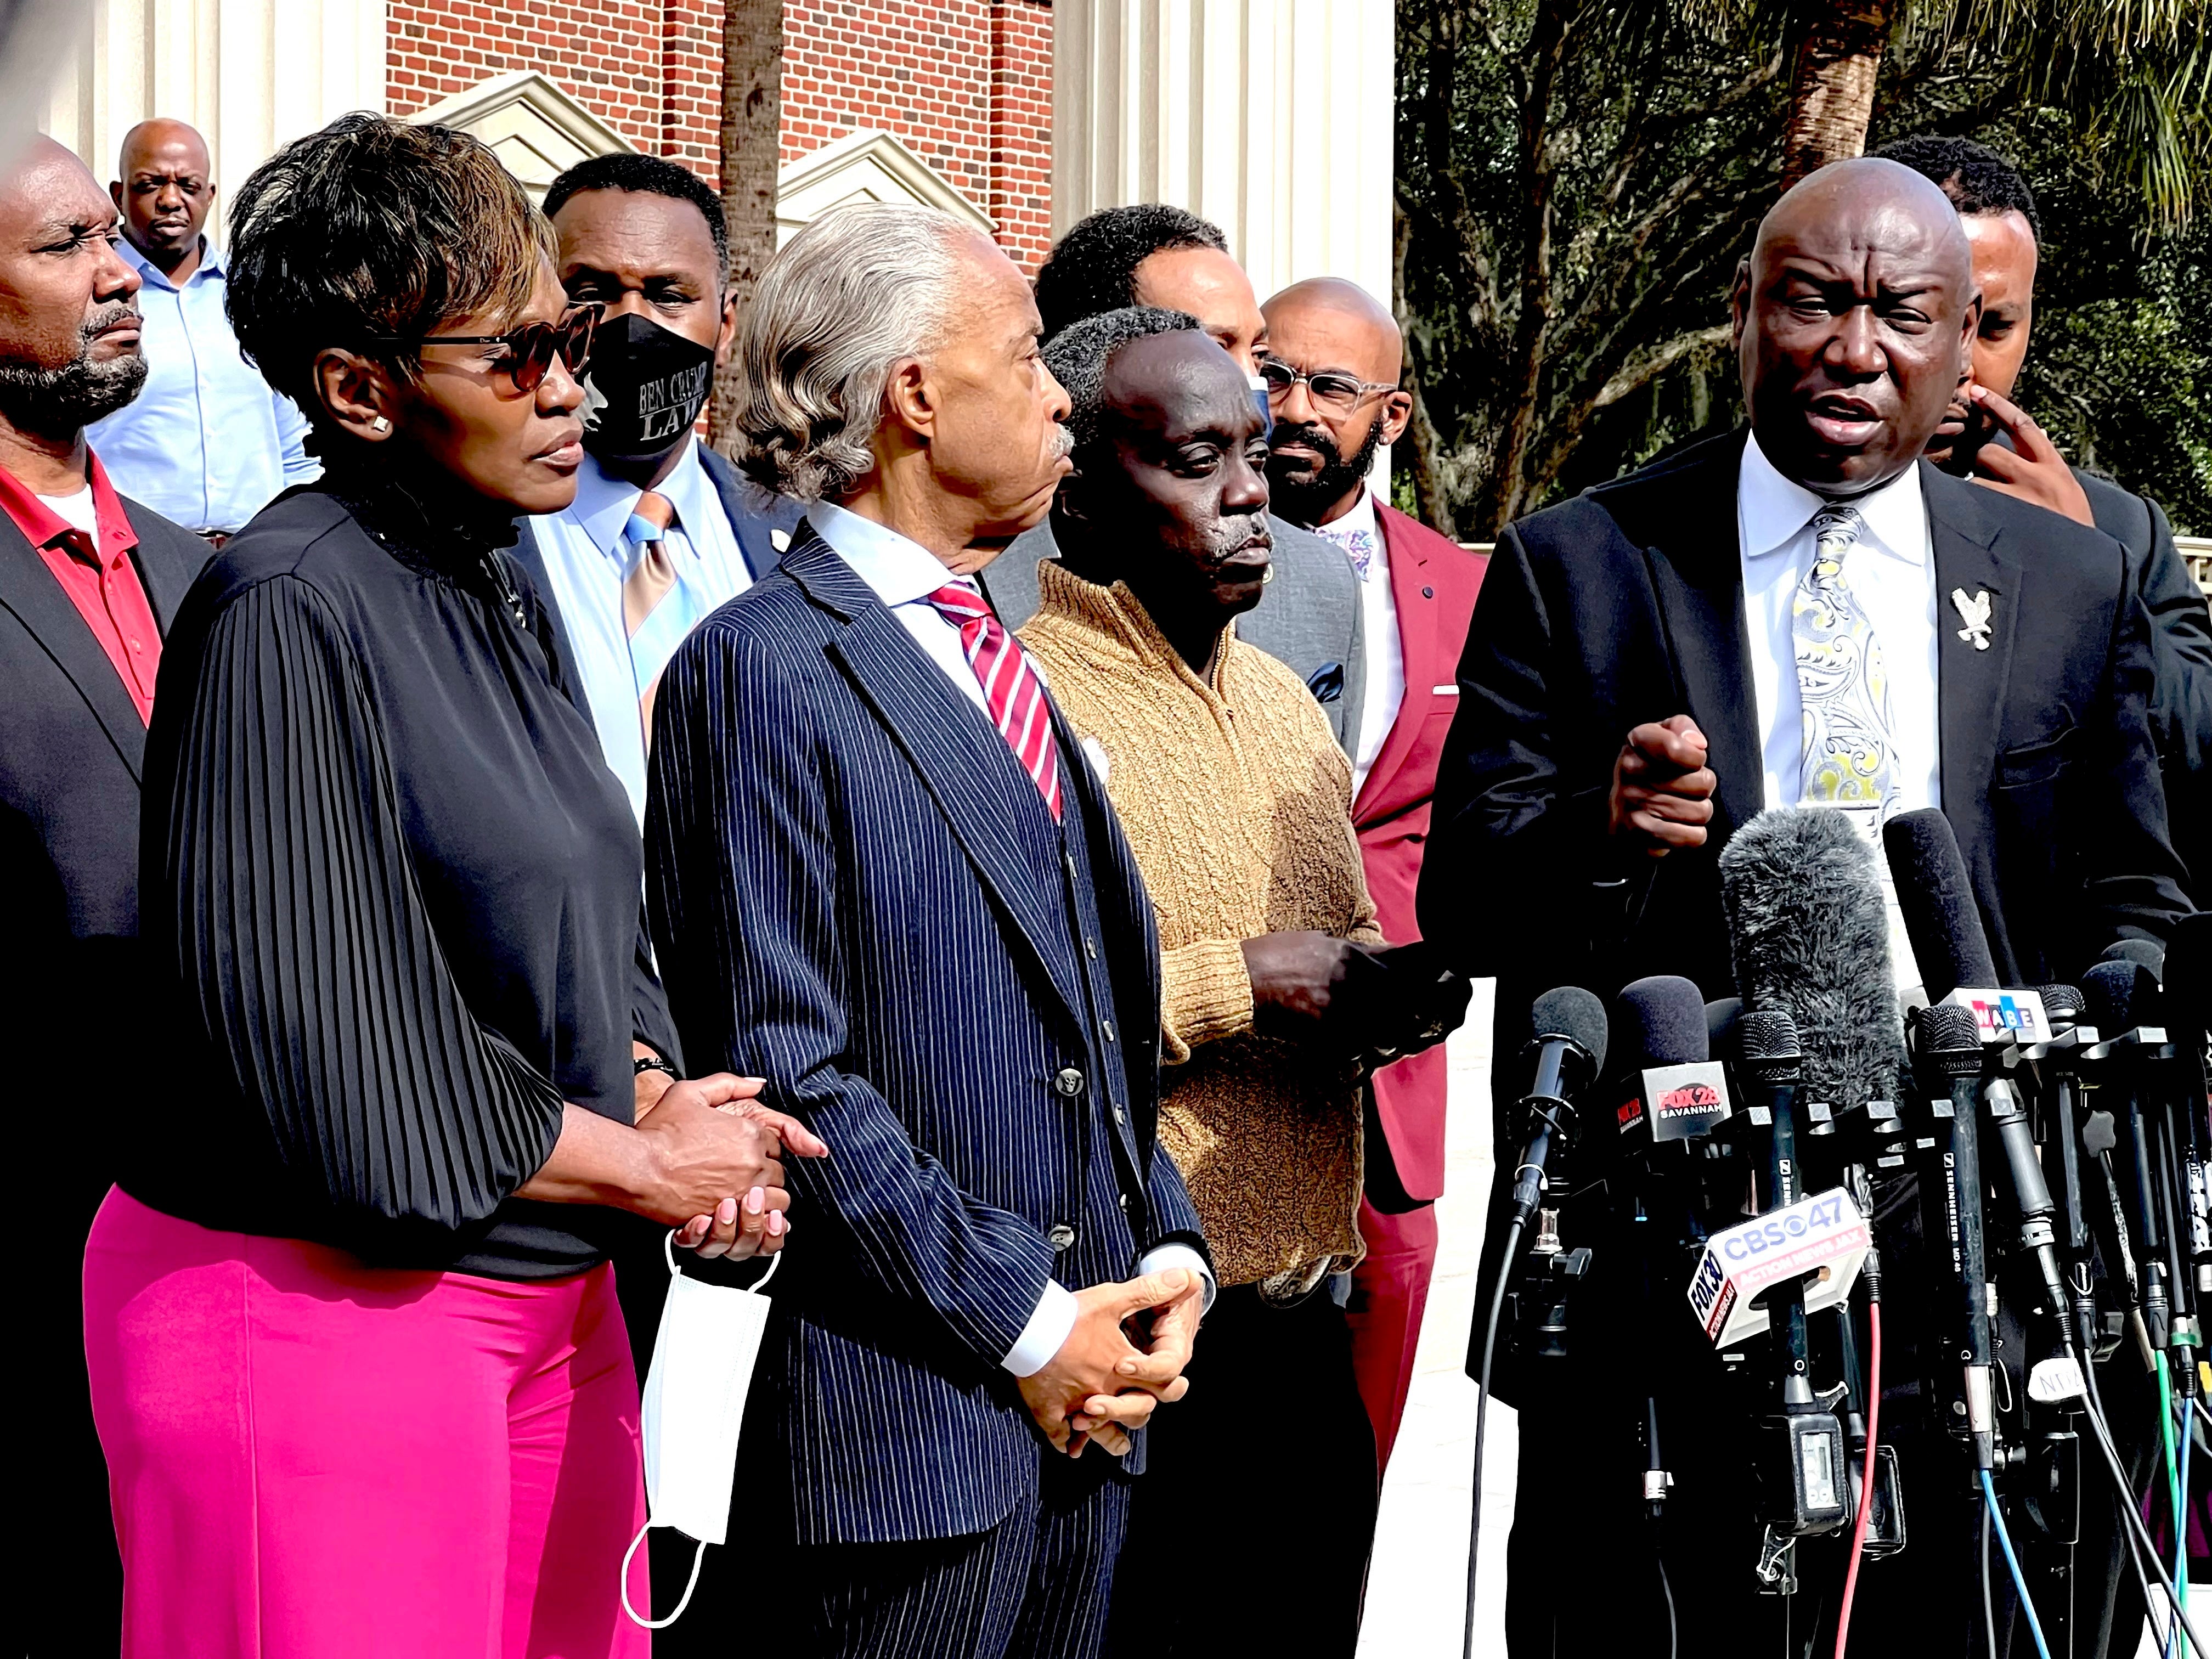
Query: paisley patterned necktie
pixel 1843 684
pixel 1358 546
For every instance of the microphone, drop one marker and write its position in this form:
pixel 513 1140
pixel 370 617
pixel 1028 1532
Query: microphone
pixel 1570 1046
pixel 2188 998
pixel 1721 1020
pixel 1674 1092
pixel 1941 918
pixel 2119 994
pixel 1673 1095
pixel 2166 1213
pixel 2146 951
pixel 1568 1024
pixel 1950 1052
pixel 1809 932
pixel 1822 1051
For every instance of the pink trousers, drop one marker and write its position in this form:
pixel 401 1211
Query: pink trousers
pixel 1389 1294
pixel 310 1459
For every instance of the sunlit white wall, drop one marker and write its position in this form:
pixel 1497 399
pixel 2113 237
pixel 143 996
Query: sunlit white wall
pixel 1271 117
pixel 249 74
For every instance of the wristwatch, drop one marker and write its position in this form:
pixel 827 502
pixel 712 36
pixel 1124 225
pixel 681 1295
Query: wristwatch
pixel 655 1063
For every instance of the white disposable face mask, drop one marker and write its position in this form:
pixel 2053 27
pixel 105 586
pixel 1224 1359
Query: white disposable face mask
pixel 694 1406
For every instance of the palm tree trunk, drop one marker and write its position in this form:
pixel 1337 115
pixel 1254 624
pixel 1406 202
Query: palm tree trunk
pixel 1832 88
pixel 752 129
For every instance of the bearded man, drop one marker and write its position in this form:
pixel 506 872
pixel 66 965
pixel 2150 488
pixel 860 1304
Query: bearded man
pixel 88 582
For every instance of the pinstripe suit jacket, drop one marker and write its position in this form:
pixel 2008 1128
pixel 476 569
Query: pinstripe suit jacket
pixel 857 894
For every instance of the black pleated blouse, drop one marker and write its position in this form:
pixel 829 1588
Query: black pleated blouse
pixel 394 890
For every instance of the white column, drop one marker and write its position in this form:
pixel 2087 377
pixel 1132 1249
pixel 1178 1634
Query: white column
pixel 1272 118
pixel 250 74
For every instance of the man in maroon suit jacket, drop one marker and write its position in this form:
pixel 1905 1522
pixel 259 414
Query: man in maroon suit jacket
pixel 1333 372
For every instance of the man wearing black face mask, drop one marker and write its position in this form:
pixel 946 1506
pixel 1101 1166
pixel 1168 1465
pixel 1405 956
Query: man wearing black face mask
pixel 663 530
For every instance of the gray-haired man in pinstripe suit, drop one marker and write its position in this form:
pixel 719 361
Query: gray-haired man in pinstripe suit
pixel 885 878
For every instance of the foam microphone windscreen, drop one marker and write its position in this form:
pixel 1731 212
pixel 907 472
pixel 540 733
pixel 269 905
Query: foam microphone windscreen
pixel 1661 1021
pixel 1949 945
pixel 2189 970
pixel 2149 952
pixel 2118 996
pixel 1810 935
pixel 1571 1013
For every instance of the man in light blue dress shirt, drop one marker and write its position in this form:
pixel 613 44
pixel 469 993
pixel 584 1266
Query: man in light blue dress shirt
pixel 207 444
pixel 663 530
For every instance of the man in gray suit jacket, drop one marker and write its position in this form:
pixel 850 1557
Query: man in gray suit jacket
pixel 1308 614
pixel 1149 254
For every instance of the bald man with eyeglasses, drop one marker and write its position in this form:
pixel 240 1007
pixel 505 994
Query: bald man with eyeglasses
pixel 1332 370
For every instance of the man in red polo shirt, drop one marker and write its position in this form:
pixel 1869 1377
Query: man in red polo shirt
pixel 88 583
pixel 1334 354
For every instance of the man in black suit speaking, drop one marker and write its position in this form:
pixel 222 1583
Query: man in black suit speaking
pixel 1632 694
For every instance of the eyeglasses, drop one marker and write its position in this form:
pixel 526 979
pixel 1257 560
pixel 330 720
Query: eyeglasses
pixel 531 348
pixel 1327 388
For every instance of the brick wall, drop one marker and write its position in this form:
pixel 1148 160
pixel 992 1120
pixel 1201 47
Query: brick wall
pixel 966 83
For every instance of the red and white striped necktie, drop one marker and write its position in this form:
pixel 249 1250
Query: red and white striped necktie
pixel 1011 690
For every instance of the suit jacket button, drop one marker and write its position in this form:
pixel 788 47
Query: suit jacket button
pixel 1069 1083
pixel 1062 1237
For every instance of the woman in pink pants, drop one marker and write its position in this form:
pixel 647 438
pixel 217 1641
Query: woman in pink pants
pixel 356 1358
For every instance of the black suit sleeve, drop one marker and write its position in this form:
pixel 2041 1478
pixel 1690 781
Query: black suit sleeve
pixel 2181 701
pixel 1513 837
pixel 316 975
pixel 2132 877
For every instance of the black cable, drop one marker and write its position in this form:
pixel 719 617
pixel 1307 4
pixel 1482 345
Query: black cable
pixel 1989 1608
pixel 2096 1402
pixel 2141 1534
pixel 1667 1590
pixel 1482 1420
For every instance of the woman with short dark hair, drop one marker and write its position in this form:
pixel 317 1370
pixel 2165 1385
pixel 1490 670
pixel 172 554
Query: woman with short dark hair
pixel 355 1356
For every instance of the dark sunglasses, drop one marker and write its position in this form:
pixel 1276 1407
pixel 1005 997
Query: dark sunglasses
pixel 531 348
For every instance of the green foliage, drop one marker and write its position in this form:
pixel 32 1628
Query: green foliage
pixel 2119 367
pixel 1577 179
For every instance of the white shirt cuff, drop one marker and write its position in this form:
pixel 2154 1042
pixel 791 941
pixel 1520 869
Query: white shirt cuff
pixel 1161 1257
pixel 1048 1328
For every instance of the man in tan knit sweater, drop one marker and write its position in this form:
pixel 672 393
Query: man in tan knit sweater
pixel 1237 801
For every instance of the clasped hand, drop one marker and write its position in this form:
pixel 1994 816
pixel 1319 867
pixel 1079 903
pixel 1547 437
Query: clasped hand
pixel 1117 1366
pixel 1662 790
pixel 717 1154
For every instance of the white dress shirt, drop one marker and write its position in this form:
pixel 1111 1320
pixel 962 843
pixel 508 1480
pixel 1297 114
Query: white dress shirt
pixel 902 573
pixel 1384 653
pixel 205 443
pixel 1891 572
pixel 586 559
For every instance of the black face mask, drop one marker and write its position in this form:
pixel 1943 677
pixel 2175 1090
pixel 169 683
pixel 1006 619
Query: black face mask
pixel 643 389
